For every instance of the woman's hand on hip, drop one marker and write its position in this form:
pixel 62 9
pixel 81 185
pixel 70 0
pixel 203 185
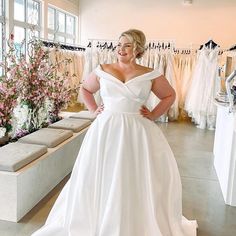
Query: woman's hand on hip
pixel 145 112
pixel 99 110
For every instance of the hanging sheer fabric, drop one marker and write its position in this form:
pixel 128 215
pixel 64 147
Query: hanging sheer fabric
pixel 71 53
pixel 98 52
pixel 159 55
pixel 60 53
pixel 74 67
pixel 177 68
pixel 193 75
pixel 232 55
pixel 184 64
pixel 200 96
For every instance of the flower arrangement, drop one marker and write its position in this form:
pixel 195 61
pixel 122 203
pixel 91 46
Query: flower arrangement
pixel 32 92
pixel 59 90
pixel 8 91
pixel 8 100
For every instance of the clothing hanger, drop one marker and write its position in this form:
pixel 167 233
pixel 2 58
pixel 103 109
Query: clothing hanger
pixel 233 47
pixel 110 46
pixel 89 44
pixel 104 46
pixel 209 44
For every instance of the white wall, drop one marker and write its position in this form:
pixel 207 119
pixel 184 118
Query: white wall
pixel 160 19
pixel 71 6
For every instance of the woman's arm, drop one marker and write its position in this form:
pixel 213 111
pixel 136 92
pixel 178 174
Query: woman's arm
pixel 163 90
pixel 87 89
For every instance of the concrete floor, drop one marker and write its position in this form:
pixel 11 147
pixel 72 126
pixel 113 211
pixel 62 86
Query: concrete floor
pixel 202 197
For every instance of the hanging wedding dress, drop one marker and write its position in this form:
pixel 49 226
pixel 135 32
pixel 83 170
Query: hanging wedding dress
pixel 200 97
pixel 184 66
pixel 125 181
pixel 170 75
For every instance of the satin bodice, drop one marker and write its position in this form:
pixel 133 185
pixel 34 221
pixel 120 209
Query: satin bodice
pixel 127 96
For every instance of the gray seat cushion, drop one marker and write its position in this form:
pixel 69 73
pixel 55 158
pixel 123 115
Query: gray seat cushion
pixel 84 115
pixel 47 136
pixel 75 125
pixel 14 156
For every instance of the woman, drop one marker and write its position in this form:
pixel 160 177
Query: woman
pixel 125 181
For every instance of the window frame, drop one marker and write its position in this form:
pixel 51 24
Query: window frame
pixel 42 26
pixel 3 32
pixel 55 32
pixel 24 24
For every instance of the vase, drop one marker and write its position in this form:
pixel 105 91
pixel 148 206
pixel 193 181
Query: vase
pixel 4 140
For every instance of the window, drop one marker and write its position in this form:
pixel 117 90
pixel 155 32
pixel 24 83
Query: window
pixel 26 22
pixel 2 32
pixel 24 19
pixel 61 26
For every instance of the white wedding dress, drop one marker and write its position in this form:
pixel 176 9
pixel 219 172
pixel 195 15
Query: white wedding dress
pixel 125 181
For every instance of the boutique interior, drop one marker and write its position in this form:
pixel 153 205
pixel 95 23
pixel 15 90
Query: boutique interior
pixel 191 42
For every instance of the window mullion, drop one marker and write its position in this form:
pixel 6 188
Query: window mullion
pixel 40 19
pixel 10 16
pixel 26 10
pixel 56 29
pixel 69 33
pixel 65 21
pixel 3 33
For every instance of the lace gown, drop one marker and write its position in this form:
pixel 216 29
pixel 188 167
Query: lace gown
pixel 200 97
pixel 125 181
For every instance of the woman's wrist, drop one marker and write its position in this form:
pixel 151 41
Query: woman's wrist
pixel 93 110
pixel 152 116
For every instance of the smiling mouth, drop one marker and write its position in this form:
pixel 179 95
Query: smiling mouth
pixel 122 54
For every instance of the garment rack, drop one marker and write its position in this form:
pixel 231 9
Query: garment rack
pixel 71 47
pixel 164 43
pixel 161 43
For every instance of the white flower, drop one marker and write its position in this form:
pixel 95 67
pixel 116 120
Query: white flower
pixel 25 112
pixel 2 132
pixel 21 113
pixel 49 105
pixel 42 116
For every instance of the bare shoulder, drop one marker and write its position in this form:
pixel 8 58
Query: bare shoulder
pixel 144 69
pixel 108 67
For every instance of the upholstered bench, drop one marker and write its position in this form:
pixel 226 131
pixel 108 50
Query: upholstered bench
pixel 72 124
pixel 16 155
pixel 47 136
pixel 83 115
pixel 22 189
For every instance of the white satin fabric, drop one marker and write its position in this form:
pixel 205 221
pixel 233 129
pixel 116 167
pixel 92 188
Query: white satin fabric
pixel 125 181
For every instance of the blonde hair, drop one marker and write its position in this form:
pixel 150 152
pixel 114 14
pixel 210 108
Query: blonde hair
pixel 138 39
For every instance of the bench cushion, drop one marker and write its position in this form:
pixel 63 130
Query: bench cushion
pixel 74 125
pixel 84 115
pixel 47 136
pixel 14 156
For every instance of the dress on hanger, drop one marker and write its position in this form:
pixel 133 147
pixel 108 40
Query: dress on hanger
pixel 170 74
pixel 125 181
pixel 87 68
pixel 200 97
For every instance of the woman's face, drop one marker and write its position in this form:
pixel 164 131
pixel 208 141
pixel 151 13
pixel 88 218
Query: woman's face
pixel 125 50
